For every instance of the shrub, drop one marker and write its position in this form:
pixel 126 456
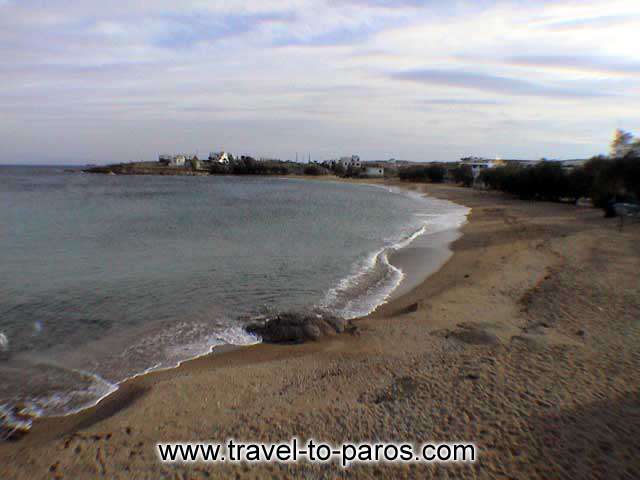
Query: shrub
pixel 463 174
pixel 616 180
pixel 219 169
pixel 420 173
pixel 602 179
pixel 436 173
pixel 544 181
pixel 313 169
pixel 353 172
pixel 339 170
pixel 251 166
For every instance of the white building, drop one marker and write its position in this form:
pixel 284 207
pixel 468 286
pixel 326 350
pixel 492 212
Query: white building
pixel 352 162
pixel 478 164
pixel 571 164
pixel 374 171
pixel 178 161
pixel 220 157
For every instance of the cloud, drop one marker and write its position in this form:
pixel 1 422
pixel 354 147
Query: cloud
pixel 344 25
pixel 491 83
pixel 577 62
pixel 461 101
pixel 603 21
pixel 340 36
pixel 392 4
pixel 180 30
pixel 271 76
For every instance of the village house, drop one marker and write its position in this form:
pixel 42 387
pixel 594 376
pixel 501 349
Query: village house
pixel 478 164
pixel 175 161
pixel 222 158
pixel 352 162
pixel 574 163
pixel 178 161
pixel 373 171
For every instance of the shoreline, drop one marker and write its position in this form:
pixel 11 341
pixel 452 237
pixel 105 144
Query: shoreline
pixel 443 252
pixel 496 347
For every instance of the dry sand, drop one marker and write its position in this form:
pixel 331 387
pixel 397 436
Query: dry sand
pixel 526 342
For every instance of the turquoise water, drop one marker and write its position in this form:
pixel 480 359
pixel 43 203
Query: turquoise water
pixel 105 277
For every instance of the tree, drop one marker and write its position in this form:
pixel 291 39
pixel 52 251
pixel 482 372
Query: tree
pixel 463 174
pixel 313 169
pixel 422 173
pixel 339 170
pixel 352 171
pixel 436 173
pixel 621 142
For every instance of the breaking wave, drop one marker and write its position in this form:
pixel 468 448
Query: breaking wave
pixel 375 278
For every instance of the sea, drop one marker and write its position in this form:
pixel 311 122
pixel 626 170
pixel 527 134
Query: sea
pixel 107 277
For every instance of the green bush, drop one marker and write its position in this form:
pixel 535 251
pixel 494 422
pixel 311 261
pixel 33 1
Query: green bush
pixel 544 181
pixel 339 170
pixel 313 169
pixel 463 174
pixel 420 173
pixel 251 166
pixel 616 180
pixel 602 179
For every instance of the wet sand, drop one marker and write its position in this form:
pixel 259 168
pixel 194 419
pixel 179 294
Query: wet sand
pixel 526 342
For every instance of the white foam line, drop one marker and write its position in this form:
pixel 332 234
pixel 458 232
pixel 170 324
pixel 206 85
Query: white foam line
pixel 114 387
pixel 452 220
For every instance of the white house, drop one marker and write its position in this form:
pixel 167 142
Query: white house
pixel 178 161
pixel 352 162
pixel 220 157
pixel 571 164
pixel 478 164
pixel 374 171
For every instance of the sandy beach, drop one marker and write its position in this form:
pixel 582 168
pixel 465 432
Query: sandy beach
pixel 525 342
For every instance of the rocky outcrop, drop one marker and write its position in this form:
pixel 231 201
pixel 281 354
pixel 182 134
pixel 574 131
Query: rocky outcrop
pixel 148 168
pixel 298 327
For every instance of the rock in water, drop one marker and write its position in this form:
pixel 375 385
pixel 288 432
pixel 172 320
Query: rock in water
pixel 296 327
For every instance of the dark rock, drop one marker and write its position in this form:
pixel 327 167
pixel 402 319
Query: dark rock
pixel 474 335
pixel 408 309
pixel 296 327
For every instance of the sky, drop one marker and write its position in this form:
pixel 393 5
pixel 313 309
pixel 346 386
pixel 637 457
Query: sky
pixel 422 80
